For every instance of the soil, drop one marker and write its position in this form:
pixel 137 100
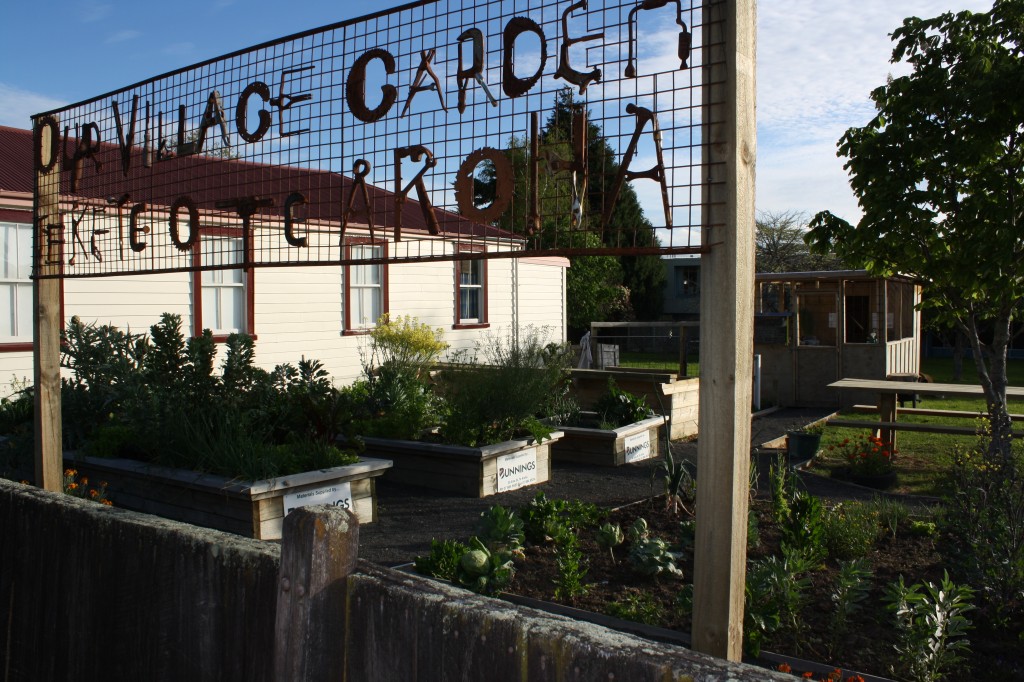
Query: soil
pixel 411 517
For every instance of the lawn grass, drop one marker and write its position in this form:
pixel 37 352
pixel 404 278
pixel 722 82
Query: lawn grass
pixel 657 362
pixel 924 458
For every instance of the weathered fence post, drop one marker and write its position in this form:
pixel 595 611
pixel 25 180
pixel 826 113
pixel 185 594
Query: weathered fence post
pixel 319 549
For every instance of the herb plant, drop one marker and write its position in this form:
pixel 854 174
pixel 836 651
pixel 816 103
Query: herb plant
pixel 931 626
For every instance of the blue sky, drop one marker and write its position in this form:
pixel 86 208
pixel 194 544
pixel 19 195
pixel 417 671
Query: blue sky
pixel 817 63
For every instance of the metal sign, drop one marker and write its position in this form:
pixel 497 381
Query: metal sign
pixel 442 128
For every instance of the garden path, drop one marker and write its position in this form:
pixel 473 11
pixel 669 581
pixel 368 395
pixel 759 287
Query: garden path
pixel 410 517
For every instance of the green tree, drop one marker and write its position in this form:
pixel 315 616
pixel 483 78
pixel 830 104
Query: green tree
pixel 780 247
pixel 643 276
pixel 939 173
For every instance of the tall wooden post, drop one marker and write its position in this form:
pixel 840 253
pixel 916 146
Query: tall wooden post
pixel 46 326
pixel 726 331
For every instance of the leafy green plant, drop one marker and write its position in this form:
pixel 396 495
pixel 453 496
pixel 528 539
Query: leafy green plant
pixel 638 608
pixel 684 601
pixel 651 557
pixel 848 593
pixel 638 531
pixel 931 626
pixel 157 398
pixel 484 571
pixel 761 613
pixel 502 530
pixel 804 528
pixel 850 530
pixel 891 513
pixel 782 484
pixel 442 561
pixel 496 400
pixel 984 522
pixel 547 520
pixel 572 569
pixel 617 407
pixel 610 536
pixel 679 482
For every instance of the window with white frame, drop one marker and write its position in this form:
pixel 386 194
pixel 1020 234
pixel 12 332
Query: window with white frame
pixel 224 296
pixel 365 286
pixel 15 285
pixel 472 275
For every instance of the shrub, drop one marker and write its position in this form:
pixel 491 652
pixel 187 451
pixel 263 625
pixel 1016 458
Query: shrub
pixel 638 608
pixel 158 398
pixel 617 408
pixel 850 530
pixel 572 569
pixel 398 402
pixel 984 522
pixel 500 399
pixel 930 625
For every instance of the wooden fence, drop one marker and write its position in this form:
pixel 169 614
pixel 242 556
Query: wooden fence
pixel 92 592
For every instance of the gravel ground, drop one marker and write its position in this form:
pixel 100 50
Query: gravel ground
pixel 410 517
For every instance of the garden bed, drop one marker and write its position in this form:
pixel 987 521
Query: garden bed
pixel 469 471
pixel 251 508
pixel 627 444
pixel 862 643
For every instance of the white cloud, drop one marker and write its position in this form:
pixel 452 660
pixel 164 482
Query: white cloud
pixel 817 65
pixel 123 36
pixel 17 106
pixel 90 12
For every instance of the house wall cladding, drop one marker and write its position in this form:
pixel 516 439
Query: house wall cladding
pixel 92 592
pixel 299 311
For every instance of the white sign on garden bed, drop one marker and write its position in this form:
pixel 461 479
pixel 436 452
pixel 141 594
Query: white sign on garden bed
pixel 638 447
pixel 337 494
pixel 517 470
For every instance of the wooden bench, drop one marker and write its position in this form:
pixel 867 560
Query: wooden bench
pixel 925 412
pixel 908 426
pixel 887 392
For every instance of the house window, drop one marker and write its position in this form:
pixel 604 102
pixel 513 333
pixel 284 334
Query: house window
pixel 225 303
pixel 366 286
pixel 687 281
pixel 15 285
pixel 470 289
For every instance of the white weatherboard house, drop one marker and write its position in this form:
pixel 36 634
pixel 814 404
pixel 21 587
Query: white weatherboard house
pixel 320 312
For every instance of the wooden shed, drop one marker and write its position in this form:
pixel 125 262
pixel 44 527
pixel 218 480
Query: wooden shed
pixel 813 328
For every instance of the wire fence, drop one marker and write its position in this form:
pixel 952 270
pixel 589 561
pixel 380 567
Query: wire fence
pixel 419 128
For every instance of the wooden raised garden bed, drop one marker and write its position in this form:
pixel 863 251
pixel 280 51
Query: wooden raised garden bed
pixel 627 444
pixel 473 472
pixel 254 509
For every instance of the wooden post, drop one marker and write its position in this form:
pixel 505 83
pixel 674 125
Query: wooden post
pixel 319 549
pixel 682 351
pixel 46 257
pixel 726 331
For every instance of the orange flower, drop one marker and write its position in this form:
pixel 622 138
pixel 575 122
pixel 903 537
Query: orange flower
pixel 808 675
pixel 784 668
pixel 94 493
pixel 108 503
pixel 84 480
pixel 72 486
pixel 70 472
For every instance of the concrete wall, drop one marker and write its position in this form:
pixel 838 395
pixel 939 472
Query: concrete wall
pixel 89 592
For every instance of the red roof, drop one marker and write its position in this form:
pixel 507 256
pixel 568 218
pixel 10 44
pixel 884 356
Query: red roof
pixel 15 159
pixel 210 181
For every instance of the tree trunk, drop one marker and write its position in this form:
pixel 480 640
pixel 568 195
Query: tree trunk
pixel 991 366
pixel 958 356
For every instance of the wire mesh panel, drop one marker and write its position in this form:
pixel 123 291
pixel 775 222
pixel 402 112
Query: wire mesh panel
pixel 441 129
